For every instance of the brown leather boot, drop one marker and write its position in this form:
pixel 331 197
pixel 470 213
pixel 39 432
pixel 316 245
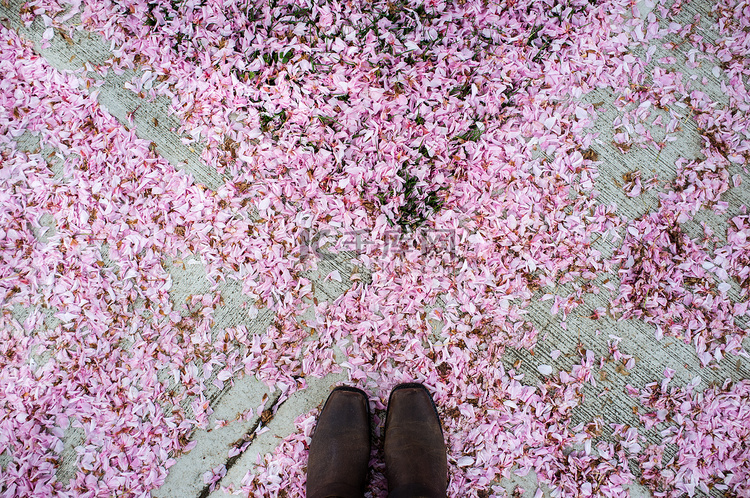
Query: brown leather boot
pixel 416 461
pixel 340 448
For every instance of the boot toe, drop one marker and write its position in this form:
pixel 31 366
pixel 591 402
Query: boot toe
pixel 415 453
pixel 340 447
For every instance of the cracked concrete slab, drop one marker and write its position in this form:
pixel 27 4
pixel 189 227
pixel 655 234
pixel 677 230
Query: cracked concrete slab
pixel 213 445
pixel 248 416
pixel 87 53
pixel 279 427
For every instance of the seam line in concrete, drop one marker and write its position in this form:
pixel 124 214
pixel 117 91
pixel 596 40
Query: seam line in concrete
pixel 264 419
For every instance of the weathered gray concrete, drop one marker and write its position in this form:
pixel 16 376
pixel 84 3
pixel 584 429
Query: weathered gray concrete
pixel 607 399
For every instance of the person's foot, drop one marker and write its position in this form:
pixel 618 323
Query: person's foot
pixel 340 447
pixel 416 462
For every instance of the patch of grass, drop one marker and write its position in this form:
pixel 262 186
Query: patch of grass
pixel 302 13
pixel 419 204
pixel 270 58
pixel 286 56
pixel 461 91
pixel 546 42
pixel 534 34
pixel 327 120
pixel 272 122
pixel 470 135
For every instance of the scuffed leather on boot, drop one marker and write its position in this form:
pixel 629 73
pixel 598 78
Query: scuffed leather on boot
pixel 339 455
pixel 416 461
